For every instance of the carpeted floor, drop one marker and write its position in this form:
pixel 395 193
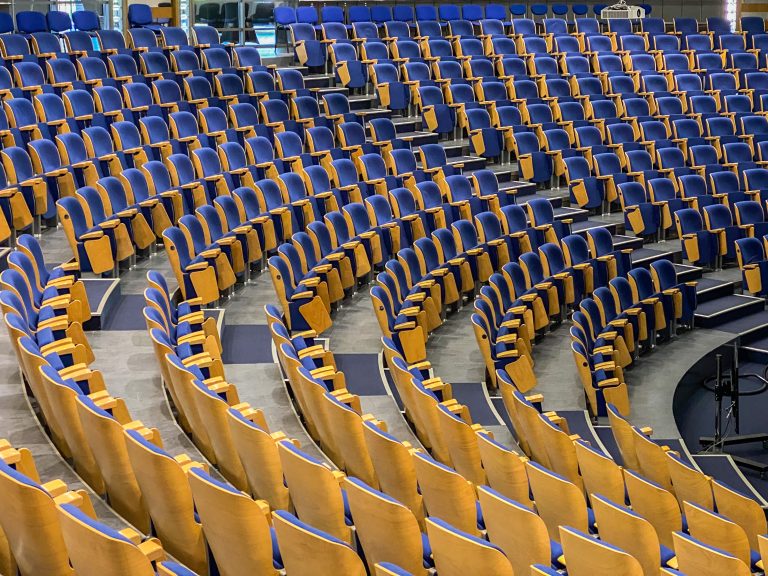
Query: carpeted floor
pixel 362 373
pixel 127 314
pixel 246 344
pixel 696 418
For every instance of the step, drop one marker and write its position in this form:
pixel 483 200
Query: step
pixel 578 215
pixel 643 257
pixel 688 273
pixel 582 226
pixel 367 114
pixel 321 81
pixel 523 188
pixel 454 148
pixel 525 198
pixel 750 328
pixel 361 101
pixel 732 309
pixel 711 288
pixel 284 64
pixel 103 297
pixel 560 194
pixel 418 138
pixel 319 91
pixel 754 347
pixel 406 123
pixel 469 163
pixel 503 175
pixel 622 242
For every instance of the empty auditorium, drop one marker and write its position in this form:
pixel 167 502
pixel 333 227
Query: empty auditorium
pixel 379 288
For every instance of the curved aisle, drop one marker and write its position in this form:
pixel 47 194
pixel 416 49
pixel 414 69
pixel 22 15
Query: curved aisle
pixel 21 428
pixel 455 357
pixel 355 339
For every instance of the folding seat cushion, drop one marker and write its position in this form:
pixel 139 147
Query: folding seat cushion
pixel 664 279
pixel 643 217
pixel 535 165
pixel 19 172
pixel 47 162
pixel 557 144
pixel 174 38
pixel 392 93
pixel 18 209
pixel 586 190
pixel 717 217
pixel 666 309
pixel 309 51
pixel 155 134
pixel 96 247
pixel 127 138
pixel 700 245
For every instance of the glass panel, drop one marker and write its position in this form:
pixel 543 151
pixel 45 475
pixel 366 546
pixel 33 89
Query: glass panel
pixel 238 21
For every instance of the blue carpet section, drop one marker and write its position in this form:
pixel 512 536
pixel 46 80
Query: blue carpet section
pixel 578 423
pixel 127 315
pixel 96 289
pixel 393 390
pixel 498 403
pixel 720 468
pixel 676 445
pixel 362 373
pixel 606 437
pixel 697 417
pixel 472 396
pixel 246 344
